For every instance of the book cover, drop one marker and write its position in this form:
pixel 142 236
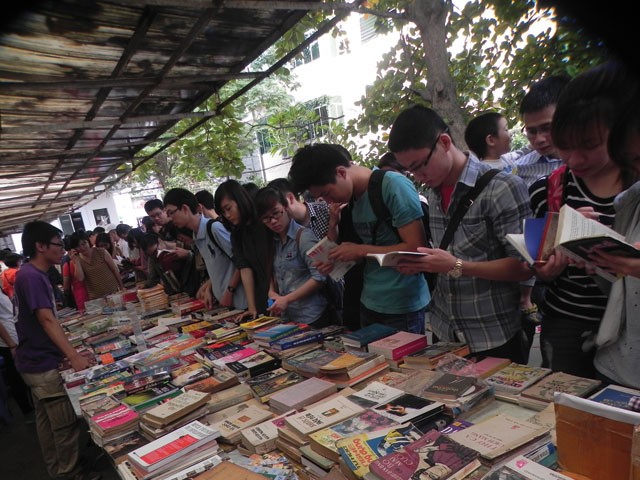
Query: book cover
pixel 357 371
pixel 175 408
pixel 429 355
pixel 253 365
pixel 151 397
pixel 176 444
pixel 450 387
pixel 349 381
pixel 497 435
pixel 231 427
pixel 320 253
pixel 275 332
pixel 229 397
pixel 398 345
pixel 615 396
pixel 368 334
pixel 374 394
pixel 482 366
pixel 408 407
pixel 434 456
pixel 561 382
pixel 346 361
pixel 301 394
pixel 218 380
pixel 264 386
pixel 261 438
pixel 516 377
pixel 330 412
pixel 391 259
pixel 308 364
pixel 297 339
pixel 522 468
pixel 119 448
pixel 115 418
pixel 324 441
pixel 235 356
pixel 259 322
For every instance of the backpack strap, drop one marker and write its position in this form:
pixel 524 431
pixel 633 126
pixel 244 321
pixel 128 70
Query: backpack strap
pixel 377 203
pixel 213 240
pixel 464 205
pixel 556 183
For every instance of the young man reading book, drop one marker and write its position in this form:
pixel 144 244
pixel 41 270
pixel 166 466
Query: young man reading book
pixel 387 297
pixel 42 346
pixel 476 299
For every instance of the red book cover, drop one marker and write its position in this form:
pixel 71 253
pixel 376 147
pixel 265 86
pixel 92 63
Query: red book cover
pixel 120 415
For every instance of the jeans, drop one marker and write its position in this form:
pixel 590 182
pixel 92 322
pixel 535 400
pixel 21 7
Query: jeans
pixel 56 423
pixel 413 322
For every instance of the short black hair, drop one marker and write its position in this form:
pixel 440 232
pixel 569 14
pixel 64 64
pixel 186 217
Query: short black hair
pixel 389 160
pixel 76 237
pixel 543 93
pixel 416 127
pixel 122 229
pixel 281 184
pixel 99 230
pixel 236 192
pixel 152 204
pixel 251 189
pixel 205 197
pixel 148 240
pixel 316 165
pixel 267 198
pixel 147 221
pixel 181 196
pixel 37 232
pixel 13 259
pixel 477 130
pixel 134 236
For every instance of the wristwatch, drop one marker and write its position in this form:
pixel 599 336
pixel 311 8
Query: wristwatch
pixel 456 271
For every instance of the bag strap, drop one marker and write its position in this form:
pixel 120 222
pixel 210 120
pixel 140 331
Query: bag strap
pixel 213 240
pixel 377 203
pixel 464 205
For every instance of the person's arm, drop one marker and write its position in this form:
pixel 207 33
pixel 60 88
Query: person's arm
pixel 411 235
pixel 54 331
pixel 248 283
pixel 113 267
pixel 227 296
pixel 6 338
pixel 617 264
pixel 281 303
pixel 78 272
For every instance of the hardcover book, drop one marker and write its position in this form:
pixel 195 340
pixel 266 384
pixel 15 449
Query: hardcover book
pixel 408 407
pixel 366 335
pixel 516 377
pixel 434 456
pixel 358 451
pixel 398 345
pixel 560 382
pixel 498 435
pixel 330 412
pixel 324 441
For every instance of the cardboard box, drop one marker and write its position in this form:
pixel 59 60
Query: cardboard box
pixel 594 439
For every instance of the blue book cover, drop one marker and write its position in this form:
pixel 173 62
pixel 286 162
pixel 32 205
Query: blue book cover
pixel 368 334
pixel 615 396
pixel 277 331
pixel 297 339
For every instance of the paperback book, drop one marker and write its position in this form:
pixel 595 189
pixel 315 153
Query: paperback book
pixel 329 413
pixel 429 356
pixel 398 345
pixel 261 438
pixel 560 382
pixel 374 394
pixel 392 259
pixel 301 394
pixel 264 386
pixel 516 377
pixel 320 253
pixel 408 407
pixel 365 335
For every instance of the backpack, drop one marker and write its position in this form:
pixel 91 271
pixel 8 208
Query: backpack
pixel 382 212
pixel 213 239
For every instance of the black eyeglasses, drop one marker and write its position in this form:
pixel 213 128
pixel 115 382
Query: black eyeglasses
pixel 61 245
pixel 274 216
pixel 170 213
pixel 433 149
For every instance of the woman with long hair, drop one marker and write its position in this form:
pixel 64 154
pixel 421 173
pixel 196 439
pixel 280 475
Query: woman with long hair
pixel 250 242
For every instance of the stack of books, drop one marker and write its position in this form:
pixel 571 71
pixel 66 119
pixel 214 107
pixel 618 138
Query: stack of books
pixel 266 337
pixel 264 386
pixel 541 393
pixel 429 356
pixel 262 438
pixel 513 379
pixel 178 449
pixel 359 339
pixel 230 428
pixel 154 298
pixel 352 368
pixel 398 345
pixel 113 423
pixel 176 412
pixel 300 395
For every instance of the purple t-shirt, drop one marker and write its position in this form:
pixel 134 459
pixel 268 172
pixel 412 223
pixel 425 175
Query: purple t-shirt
pixel 36 352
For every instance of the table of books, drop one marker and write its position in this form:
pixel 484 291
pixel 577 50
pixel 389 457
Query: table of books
pixel 196 394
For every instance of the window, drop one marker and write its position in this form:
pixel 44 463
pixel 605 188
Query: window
pixel 367 28
pixel 308 55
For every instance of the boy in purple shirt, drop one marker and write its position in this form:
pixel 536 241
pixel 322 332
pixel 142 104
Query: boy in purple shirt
pixel 42 346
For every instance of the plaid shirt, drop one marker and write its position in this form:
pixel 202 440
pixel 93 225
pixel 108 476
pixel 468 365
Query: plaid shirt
pixel 481 312
pixel 319 218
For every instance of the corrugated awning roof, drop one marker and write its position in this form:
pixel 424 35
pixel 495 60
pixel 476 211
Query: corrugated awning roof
pixel 84 86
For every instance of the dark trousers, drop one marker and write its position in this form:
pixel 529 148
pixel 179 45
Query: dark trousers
pixel 561 343
pixel 19 389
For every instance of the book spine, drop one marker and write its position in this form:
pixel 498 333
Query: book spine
pixel 284 345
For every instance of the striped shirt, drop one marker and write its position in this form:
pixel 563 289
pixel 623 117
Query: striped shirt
pixel 574 295
pixel 531 166
pixel 485 312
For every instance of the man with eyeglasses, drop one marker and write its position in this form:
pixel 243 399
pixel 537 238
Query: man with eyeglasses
pixel 388 297
pixel 537 108
pixel 476 296
pixel 155 209
pixel 42 346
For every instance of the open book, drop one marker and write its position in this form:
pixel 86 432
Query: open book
pixel 391 259
pixel 573 234
pixel 320 253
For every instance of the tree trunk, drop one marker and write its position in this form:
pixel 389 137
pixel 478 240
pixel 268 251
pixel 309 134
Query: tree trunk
pixel 430 16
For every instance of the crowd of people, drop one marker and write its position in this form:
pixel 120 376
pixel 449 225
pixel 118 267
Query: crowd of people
pixel 246 247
